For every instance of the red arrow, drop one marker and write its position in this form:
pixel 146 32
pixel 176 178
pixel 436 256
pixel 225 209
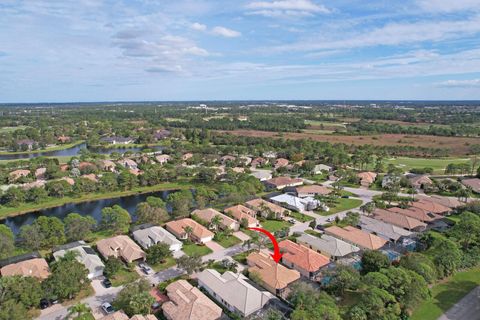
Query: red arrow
pixel 276 250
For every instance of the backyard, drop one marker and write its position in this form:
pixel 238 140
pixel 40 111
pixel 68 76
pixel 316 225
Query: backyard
pixel 195 249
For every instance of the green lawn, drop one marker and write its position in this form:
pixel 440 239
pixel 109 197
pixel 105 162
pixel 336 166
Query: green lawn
pixel 344 204
pixel 446 294
pixel 11 129
pixel 300 216
pixel 313 233
pixel 227 242
pixel 195 249
pixel 242 257
pixel 438 165
pixel 169 262
pixel 54 148
pixel 275 225
pixel 124 276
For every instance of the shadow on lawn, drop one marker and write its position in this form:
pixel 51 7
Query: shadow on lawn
pixel 455 292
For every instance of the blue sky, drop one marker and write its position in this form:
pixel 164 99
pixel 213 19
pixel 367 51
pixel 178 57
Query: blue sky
pixel 102 50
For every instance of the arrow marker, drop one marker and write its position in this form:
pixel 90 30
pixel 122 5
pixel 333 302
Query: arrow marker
pixel 276 250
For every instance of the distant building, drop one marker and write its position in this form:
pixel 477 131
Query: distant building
pixel 399 220
pixel 117 140
pixel 208 214
pixel 163 158
pixel 473 183
pixel 420 181
pixel 282 182
pixel 266 208
pixel 261 175
pixel 280 163
pixel 161 134
pixel 367 178
pixel 298 204
pixel 26 143
pixel 382 229
pixel 128 163
pixel 312 191
pixel 327 245
pixel 320 168
pixel 357 237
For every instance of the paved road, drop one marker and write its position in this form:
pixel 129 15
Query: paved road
pixel 466 309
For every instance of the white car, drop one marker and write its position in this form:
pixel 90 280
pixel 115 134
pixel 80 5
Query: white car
pixel 145 268
pixel 107 308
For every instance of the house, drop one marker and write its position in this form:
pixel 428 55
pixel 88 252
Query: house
pixel 163 158
pixel 303 259
pixel 26 265
pixel 416 213
pixel 117 140
pixel 245 160
pixel 259 161
pixel 26 143
pixel 161 134
pixel 188 302
pixel 432 207
pixel 120 315
pixel 328 246
pixel 85 165
pixel 245 216
pixel 320 168
pixel 399 220
pixel 450 202
pixel 150 236
pixel 199 233
pixel 420 181
pixel 107 165
pixel 226 159
pixel 390 180
pixel 121 247
pixel 298 204
pixel 208 214
pixel 128 163
pixel 269 154
pixel 85 255
pixel 280 163
pixel 473 183
pixel 366 178
pixel 273 276
pixel 187 156
pixel 382 229
pixel 312 191
pixel 234 291
pixel 17 174
pixel 69 180
pixel 282 182
pixel 34 184
pixel 92 177
pixel 261 175
pixel 63 139
pixel 40 173
pixel 357 237
pixel 267 209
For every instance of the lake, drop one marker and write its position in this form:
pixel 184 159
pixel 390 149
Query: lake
pixel 73 151
pixel 90 208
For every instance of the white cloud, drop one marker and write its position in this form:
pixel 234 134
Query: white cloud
pixel 281 8
pixel 472 83
pixel 198 26
pixel 225 32
pixel 448 5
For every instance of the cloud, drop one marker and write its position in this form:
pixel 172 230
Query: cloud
pixel 472 83
pixel 449 5
pixel 198 26
pixel 225 32
pixel 290 8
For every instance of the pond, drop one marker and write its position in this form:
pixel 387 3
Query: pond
pixel 90 208
pixel 73 151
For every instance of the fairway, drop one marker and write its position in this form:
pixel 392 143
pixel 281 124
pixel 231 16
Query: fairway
pixel 438 165
pixel 446 294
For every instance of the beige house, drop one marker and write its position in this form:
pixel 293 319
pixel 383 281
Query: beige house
pixel 366 178
pixel 17 174
pixel 312 191
pixel 420 181
pixel 266 208
pixel 357 237
pixel 199 233
pixel 274 277
pixel 120 315
pixel 36 267
pixel 121 247
pixel 243 215
pixel 208 214
pixel 283 182
pixel 163 158
pixel 399 220
pixel 188 303
pixel 303 259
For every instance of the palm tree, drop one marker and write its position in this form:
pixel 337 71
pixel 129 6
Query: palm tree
pixel 215 222
pixel 78 311
pixel 368 208
pixel 188 230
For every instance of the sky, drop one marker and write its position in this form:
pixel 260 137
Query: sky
pixel 139 50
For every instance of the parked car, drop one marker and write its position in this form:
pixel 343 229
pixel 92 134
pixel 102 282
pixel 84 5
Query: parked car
pixel 292 221
pixel 320 227
pixel 107 283
pixel 44 303
pixel 107 308
pixel 145 268
pixel 345 197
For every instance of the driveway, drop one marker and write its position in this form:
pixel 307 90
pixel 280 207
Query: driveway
pixel 214 246
pixel 466 309
pixel 241 235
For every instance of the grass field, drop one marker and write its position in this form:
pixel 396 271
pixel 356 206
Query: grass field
pixel 195 249
pixel 169 262
pixel 124 276
pixel 55 148
pixel 275 225
pixel 446 294
pixel 344 204
pixel 438 165
pixel 300 216
pixel 227 242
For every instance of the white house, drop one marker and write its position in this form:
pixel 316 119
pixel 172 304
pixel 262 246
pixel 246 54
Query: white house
pixel 85 255
pixel 298 204
pixel 153 235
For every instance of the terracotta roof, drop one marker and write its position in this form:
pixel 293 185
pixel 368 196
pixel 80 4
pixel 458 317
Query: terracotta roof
pixel 85 164
pixel 358 237
pixel 36 267
pixel 444 201
pixel 258 203
pixel 117 315
pixel 199 231
pixel 419 180
pixel 208 214
pixel 281 162
pixel 301 256
pixel 19 173
pixel 240 212
pixel 120 246
pixel 273 274
pixel 69 180
pixel 187 302
pixel 472 183
pixel 398 219
pixel 416 213
pixel 40 172
pixel 105 164
pixel 430 206
pixel 367 176
pixel 92 177
pixel 284 181
pixel 316 189
pixel 162 158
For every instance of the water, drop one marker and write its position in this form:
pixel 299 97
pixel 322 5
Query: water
pixel 73 151
pixel 90 208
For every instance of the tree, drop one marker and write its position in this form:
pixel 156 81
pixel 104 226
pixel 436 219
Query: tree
pixel 421 264
pixel 36 195
pixel 181 202
pixel 127 180
pixel 207 175
pixel 43 233
pixel 7 242
pixel 311 304
pixel 467 230
pixel 375 303
pixel 373 261
pixel 115 219
pixel 31 237
pixel 13 310
pixel 215 222
pixel 68 277
pixel 112 266
pixel 58 188
pixel 79 311
pixel 78 227
pixel 26 290
pixel 13 196
pixel 190 264
pixel 134 298
pixel 108 181
pixel 343 278
pixel 158 253
pixel 446 256
pixel 146 213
